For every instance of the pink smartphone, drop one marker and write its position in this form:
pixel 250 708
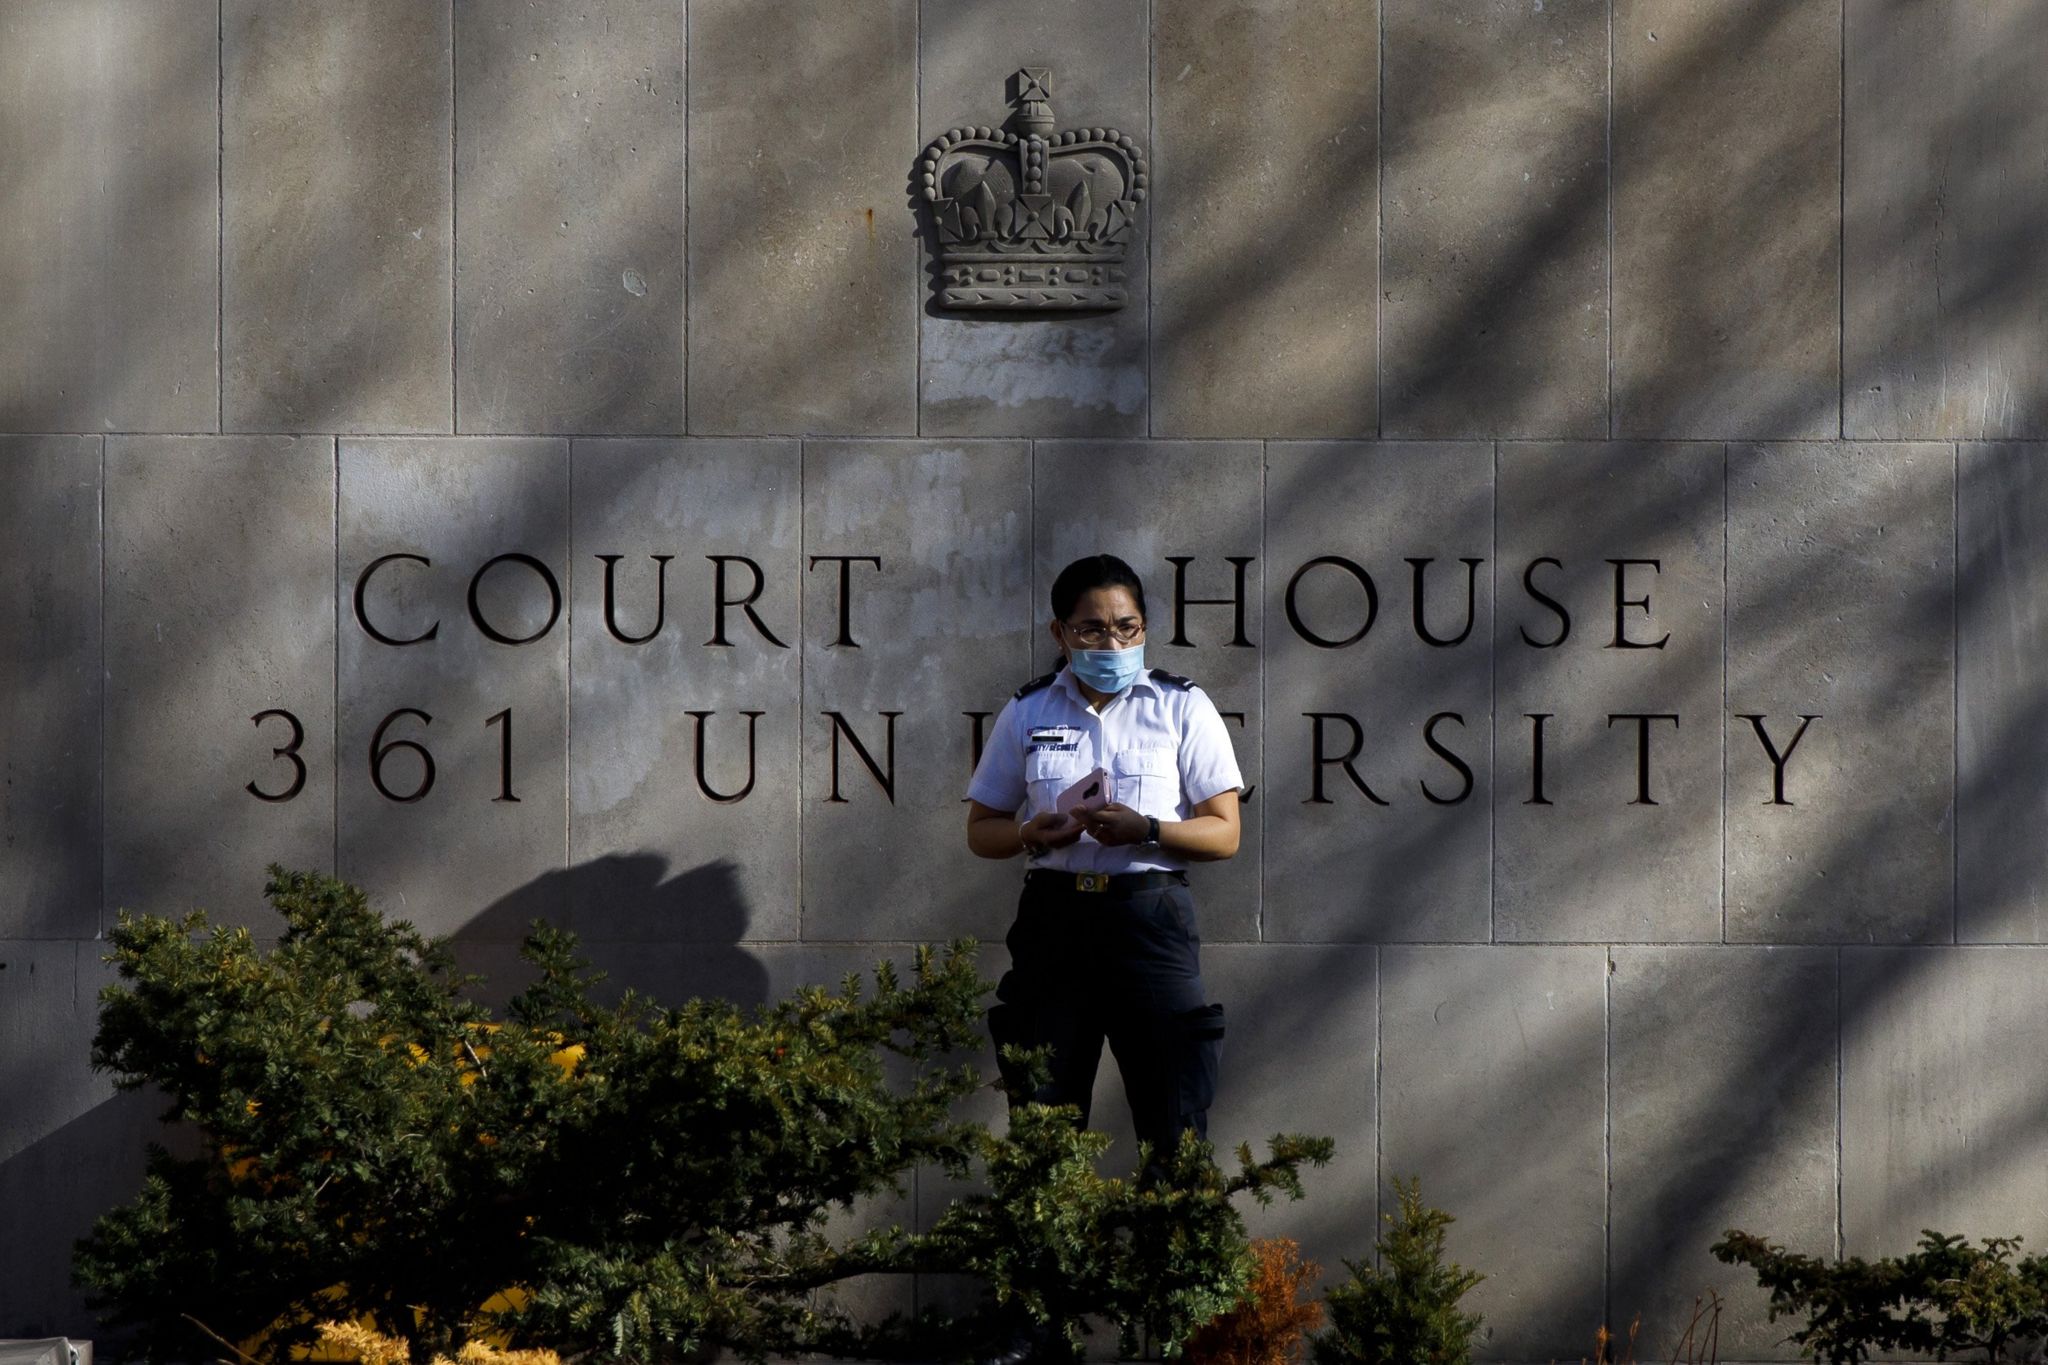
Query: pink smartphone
pixel 1091 793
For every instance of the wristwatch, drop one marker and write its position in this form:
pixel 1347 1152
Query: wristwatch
pixel 1152 829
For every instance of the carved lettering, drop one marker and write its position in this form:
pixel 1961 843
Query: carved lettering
pixel 476 613
pixel 379 751
pixel 704 783
pixel 291 751
pixel 1564 618
pixel 746 604
pixel 1181 600
pixel 1422 630
pixel 733 590
pixel 363 614
pixel 611 614
pixel 1357 571
pixel 1642 720
pixel 1318 760
pixel 1457 764
pixel 846 563
pixel 1778 760
pixel 1536 796
pixel 980 719
pixel 504 756
pixel 884 774
pixel 1621 640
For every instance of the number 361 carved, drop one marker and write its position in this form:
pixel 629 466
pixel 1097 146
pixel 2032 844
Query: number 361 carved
pixel 381 749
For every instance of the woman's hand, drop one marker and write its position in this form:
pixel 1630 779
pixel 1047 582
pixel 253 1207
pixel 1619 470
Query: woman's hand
pixel 995 833
pixel 1210 833
pixel 1117 824
pixel 1048 830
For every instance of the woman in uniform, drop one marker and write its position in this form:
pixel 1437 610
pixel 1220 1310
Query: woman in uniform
pixel 1105 945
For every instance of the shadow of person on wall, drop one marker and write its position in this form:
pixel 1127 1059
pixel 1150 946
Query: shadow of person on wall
pixel 667 939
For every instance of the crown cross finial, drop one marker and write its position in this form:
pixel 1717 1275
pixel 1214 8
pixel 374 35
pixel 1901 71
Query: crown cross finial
pixel 1033 98
pixel 1029 219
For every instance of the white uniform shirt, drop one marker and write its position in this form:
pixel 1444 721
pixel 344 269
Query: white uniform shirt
pixel 1160 740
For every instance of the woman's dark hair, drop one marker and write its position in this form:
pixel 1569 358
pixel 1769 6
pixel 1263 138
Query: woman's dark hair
pixel 1095 571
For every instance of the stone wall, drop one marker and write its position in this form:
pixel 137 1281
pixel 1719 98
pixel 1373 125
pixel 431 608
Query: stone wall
pixel 1528 413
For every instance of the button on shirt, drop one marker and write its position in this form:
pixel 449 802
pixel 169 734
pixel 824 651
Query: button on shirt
pixel 1161 742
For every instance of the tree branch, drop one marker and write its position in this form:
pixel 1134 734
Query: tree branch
pixel 246 1357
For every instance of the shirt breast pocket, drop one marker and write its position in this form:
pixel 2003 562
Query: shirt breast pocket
pixel 1047 773
pixel 1147 780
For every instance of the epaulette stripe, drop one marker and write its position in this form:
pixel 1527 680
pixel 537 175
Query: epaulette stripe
pixel 1160 675
pixel 1028 688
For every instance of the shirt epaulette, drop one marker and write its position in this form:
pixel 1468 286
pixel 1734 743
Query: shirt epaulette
pixel 1160 675
pixel 1035 684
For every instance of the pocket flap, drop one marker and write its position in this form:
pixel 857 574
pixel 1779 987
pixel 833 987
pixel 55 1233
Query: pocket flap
pixel 1203 1021
pixel 1156 761
pixel 1045 765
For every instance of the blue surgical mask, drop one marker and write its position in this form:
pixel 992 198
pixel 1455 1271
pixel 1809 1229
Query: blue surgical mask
pixel 1108 670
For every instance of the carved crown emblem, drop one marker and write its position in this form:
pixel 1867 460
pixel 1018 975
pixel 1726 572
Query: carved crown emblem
pixel 1030 219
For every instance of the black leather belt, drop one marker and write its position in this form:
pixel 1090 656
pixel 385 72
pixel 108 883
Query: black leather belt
pixel 1114 883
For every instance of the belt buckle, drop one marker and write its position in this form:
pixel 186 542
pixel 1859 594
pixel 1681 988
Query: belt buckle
pixel 1091 881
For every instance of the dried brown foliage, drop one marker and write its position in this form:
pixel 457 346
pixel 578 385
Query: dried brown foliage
pixel 1269 1323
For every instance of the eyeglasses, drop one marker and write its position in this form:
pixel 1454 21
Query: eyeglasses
pixel 1094 634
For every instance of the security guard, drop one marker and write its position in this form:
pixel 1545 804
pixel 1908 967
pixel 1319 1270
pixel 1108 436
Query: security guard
pixel 1105 944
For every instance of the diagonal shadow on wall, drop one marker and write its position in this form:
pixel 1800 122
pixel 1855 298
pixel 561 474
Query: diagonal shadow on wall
pixel 39 1185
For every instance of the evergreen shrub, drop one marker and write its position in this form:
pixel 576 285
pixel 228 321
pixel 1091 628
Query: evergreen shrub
pixel 612 1182
pixel 1942 1299
pixel 1404 1310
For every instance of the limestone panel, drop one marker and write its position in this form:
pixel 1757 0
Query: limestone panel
pixel 1299 1055
pixel 1945 295
pixel 1722 1113
pixel 461 545
pixel 1841 605
pixel 1150 503
pixel 1266 217
pixel 1492 1091
pixel 46 1028
pixel 1351 530
pixel 569 217
pixel 1942 1095
pixel 1496 218
pixel 53 1190
pixel 1079 374
pixel 683 792
pixel 336 299
pixel 1608 649
pixel 50 688
pixel 937 631
pixel 802 256
pixel 70 1148
pixel 2001 731
pixel 109 277
pixel 1727 218
pixel 219 570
